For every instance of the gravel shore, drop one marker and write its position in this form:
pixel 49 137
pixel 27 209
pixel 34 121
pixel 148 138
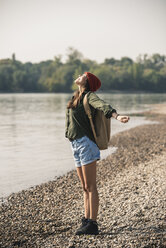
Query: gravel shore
pixel 131 185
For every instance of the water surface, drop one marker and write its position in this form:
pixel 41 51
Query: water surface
pixel 33 148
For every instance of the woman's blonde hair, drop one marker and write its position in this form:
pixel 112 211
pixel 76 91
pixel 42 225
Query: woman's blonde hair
pixel 77 96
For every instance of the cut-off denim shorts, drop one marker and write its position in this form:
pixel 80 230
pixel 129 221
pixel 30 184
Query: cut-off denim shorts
pixel 84 151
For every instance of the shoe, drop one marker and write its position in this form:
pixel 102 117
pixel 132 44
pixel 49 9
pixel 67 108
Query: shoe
pixel 90 228
pixel 84 222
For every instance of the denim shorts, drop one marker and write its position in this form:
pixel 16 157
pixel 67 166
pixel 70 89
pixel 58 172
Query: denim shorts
pixel 84 151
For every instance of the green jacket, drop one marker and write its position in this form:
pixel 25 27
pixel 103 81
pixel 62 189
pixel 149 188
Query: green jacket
pixel 77 122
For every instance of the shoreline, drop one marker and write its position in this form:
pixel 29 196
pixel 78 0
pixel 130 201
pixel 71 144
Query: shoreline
pixel 48 214
pixel 99 91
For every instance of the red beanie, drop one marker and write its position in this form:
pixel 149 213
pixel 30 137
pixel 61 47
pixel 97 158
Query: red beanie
pixel 94 82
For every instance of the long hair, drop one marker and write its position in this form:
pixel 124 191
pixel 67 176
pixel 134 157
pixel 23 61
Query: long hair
pixel 77 96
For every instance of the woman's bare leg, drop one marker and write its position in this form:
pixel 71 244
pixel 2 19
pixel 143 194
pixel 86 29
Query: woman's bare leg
pixel 86 193
pixel 89 175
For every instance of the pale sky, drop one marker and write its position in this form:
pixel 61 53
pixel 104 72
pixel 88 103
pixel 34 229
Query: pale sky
pixel 38 30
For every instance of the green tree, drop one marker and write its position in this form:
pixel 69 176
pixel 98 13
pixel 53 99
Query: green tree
pixel 148 72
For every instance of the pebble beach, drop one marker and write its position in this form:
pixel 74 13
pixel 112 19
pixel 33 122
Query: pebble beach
pixel 132 198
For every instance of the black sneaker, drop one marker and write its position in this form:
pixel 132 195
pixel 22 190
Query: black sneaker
pixel 90 228
pixel 84 222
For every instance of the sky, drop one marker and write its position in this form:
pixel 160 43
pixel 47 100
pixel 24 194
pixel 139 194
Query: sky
pixel 39 30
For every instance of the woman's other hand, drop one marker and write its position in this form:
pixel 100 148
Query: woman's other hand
pixel 123 118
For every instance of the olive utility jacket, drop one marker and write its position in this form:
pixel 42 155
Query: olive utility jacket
pixel 77 122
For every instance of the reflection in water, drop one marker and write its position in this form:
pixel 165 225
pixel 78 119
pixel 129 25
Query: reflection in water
pixel 133 102
pixel 33 148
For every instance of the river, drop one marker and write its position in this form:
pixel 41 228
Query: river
pixel 33 147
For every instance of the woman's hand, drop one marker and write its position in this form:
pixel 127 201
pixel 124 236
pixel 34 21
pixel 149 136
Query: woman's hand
pixel 123 118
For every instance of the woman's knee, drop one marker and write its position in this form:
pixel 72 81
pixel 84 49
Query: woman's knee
pixel 90 187
pixel 84 189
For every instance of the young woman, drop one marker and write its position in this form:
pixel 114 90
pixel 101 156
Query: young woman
pixel 85 150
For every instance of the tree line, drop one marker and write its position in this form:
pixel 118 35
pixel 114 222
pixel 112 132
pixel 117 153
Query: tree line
pixel 147 73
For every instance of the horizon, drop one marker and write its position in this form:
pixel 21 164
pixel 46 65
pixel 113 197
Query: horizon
pixel 134 60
